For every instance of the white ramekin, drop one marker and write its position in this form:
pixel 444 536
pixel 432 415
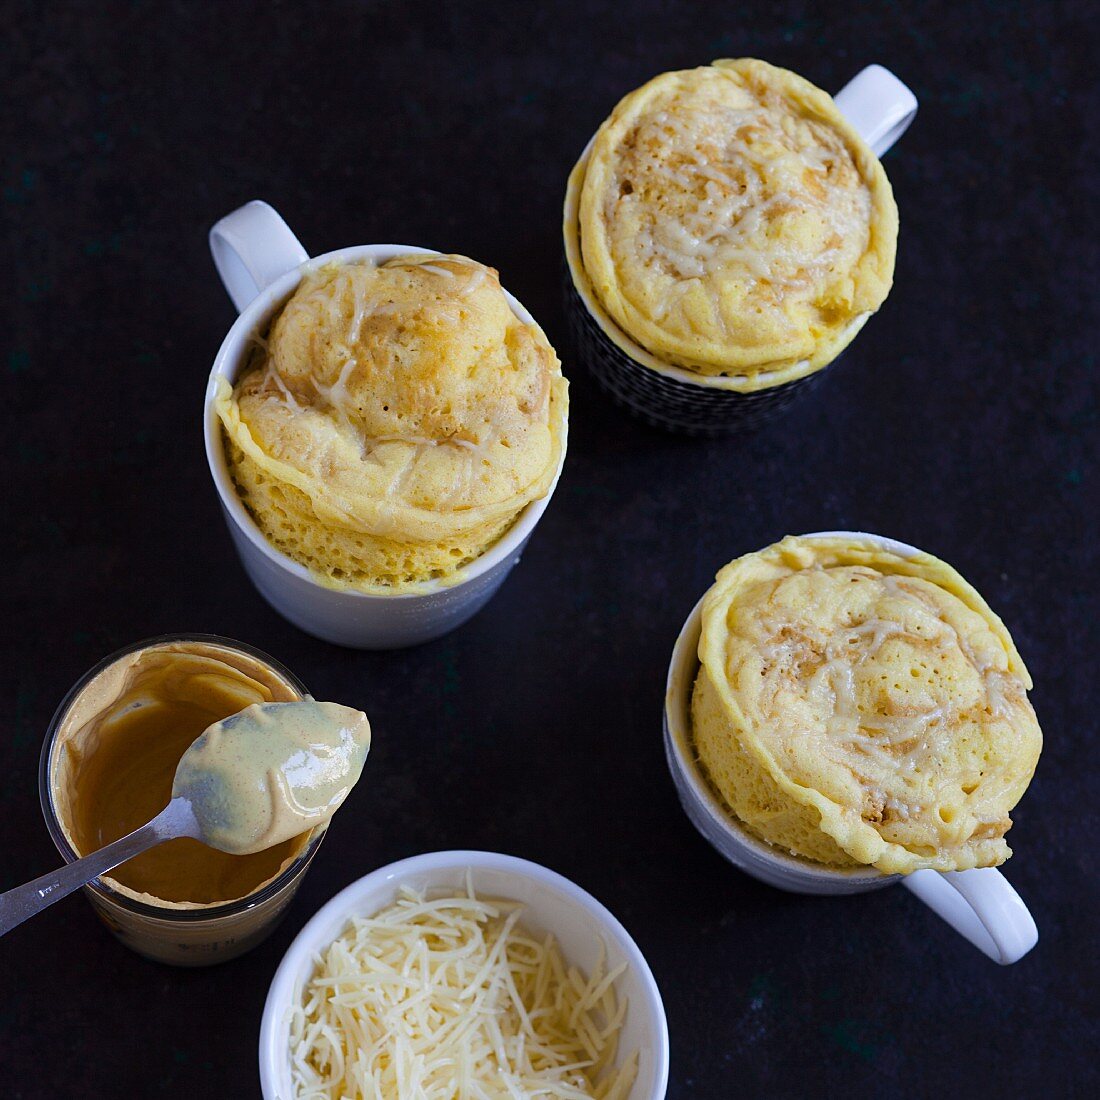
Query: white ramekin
pixel 554 904
pixel 980 904
pixel 880 107
pixel 261 262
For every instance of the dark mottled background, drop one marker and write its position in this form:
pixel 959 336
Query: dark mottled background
pixel 964 420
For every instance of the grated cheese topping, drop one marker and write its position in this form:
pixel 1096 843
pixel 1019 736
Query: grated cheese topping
pixel 439 998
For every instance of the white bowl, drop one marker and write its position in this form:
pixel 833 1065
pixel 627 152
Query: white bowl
pixel 554 904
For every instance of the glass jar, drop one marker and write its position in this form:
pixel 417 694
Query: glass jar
pixel 180 933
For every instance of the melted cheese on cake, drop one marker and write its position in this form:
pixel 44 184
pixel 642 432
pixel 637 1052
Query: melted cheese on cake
pixel 733 222
pixel 857 707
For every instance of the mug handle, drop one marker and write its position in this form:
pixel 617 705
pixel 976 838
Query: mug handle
pixel 981 905
pixel 878 105
pixel 252 247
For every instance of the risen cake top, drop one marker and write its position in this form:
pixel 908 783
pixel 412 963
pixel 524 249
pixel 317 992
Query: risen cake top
pixel 406 400
pixel 733 222
pixel 879 690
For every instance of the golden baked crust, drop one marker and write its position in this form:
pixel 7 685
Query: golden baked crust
pixel 395 421
pixel 859 707
pixel 733 222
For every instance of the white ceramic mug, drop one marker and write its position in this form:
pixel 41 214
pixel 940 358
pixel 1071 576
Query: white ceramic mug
pixel 880 107
pixel 980 903
pixel 581 925
pixel 261 262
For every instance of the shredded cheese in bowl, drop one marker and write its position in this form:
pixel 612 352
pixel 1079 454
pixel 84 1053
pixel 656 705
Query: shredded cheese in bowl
pixel 448 997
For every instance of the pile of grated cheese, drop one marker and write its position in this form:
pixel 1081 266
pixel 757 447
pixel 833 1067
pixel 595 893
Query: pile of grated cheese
pixel 448 998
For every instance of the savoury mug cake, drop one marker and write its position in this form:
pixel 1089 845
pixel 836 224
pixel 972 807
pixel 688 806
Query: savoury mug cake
pixel 729 232
pixel 393 421
pixel 855 706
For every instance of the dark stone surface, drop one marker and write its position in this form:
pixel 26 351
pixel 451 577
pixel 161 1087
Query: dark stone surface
pixel 964 419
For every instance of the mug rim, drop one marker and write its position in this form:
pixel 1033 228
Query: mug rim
pixel 69 854
pixel 681 760
pixel 345 904
pixel 227 364
pixel 743 384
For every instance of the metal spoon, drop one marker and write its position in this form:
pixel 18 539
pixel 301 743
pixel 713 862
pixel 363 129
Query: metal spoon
pixel 16 906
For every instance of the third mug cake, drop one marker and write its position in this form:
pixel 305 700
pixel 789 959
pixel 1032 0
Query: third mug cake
pixel 857 706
